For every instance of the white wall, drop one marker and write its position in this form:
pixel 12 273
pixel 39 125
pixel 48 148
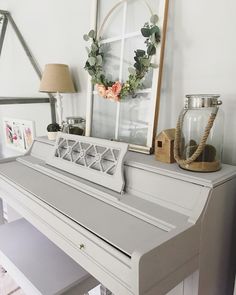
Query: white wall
pixel 200 54
pixel 201 58
pixel 54 32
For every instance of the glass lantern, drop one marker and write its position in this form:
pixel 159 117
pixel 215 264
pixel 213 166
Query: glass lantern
pixel 199 134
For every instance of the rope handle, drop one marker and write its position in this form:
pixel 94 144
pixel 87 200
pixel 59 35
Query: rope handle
pixel 203 141
pixel 113 9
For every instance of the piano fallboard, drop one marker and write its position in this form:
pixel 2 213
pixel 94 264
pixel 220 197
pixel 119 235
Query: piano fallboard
pixel 143 241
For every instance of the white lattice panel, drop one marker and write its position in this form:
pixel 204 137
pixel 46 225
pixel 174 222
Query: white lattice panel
pixel 97 160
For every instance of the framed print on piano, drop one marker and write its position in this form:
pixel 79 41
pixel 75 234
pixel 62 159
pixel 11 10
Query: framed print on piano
pixel 117 26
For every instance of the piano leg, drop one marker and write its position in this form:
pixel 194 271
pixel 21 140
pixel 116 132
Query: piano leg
pixel 104 291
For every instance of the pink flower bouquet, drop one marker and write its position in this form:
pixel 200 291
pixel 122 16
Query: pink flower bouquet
pixel 112 92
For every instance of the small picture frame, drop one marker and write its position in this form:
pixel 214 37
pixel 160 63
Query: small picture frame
pixel 18 134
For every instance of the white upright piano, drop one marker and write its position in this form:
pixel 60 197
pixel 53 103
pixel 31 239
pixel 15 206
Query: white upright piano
pixel 138 226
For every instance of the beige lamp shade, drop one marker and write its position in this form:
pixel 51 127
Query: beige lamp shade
pixel 56 78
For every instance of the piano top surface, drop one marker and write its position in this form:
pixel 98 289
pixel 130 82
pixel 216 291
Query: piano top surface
pixel 148 163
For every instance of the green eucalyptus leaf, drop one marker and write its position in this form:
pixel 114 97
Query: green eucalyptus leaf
pixel 151 49
pixel 99 60
pixel 146 32
pixel 131 71
pixel 98 75
pixel 154 19
pixel 137 66
pixel 87 49
pixel 86 37
pixel 91 72
pixel 92 53
pixel 155 29
pixel 91 34
pixel 145 62
pixel 87 64
pixel 140 52
pixel 94 47
pixel 102 76
pixel 92 61
pixel 158 37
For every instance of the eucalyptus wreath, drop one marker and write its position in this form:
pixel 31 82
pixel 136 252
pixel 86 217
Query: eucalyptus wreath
pixel 115 89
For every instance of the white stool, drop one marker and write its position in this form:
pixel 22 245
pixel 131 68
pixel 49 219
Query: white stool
pixel 37 265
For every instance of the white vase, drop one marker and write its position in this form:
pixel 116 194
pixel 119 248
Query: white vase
pixel 52 135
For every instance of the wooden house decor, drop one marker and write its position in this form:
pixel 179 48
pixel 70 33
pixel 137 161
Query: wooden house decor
pixel 164 146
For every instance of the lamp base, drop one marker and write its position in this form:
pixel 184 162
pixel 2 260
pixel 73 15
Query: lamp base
pixel 59 108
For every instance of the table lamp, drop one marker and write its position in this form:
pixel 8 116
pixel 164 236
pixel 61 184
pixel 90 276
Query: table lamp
pixel 56 78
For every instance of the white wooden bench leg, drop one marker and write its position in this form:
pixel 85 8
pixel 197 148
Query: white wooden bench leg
pixel 104 291
pixel 1 212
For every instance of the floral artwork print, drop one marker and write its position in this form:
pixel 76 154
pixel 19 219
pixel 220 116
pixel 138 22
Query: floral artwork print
pixel 19 134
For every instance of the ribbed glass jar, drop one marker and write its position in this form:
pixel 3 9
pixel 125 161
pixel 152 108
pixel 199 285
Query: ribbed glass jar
pixel 74 125
pixel 199 134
